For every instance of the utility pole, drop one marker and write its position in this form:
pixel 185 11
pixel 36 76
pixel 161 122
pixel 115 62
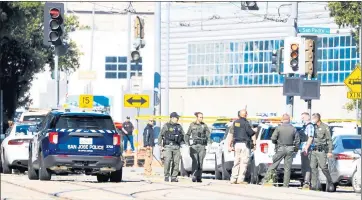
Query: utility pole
pixel 56 74
pixel 294 28
pixel 157 59
pixel 360 63
pixel 165 106
pixel 89 88
pixel 129 49
pixel 1 105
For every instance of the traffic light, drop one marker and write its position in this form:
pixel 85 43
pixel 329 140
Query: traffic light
pixel 276 60
pixel 249 5
pixel 294 56
pixel 310 69
pixel 135 55
pixel 53 23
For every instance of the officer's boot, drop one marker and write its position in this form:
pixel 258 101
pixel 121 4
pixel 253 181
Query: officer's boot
pixel 199 180
pixel 167 179
pixel 174 179
pixel 194 179
pixel 306 186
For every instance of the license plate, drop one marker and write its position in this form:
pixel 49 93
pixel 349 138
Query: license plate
pixel 85 140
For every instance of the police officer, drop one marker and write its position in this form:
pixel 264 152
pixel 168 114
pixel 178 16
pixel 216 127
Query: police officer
pixel 241 135
pixel 321 144
pixel 171 138
pixel 287 142
pixel 200 135
pixel 127 128
pixel 148 143
pixel 306 132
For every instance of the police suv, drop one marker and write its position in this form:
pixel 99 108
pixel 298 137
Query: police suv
pixel 76 142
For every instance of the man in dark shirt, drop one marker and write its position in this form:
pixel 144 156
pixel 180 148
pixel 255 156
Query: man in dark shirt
pixel 148 143
pixel 127 128
pixel 240 138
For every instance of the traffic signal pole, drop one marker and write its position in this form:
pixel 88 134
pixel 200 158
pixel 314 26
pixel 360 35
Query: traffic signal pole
pixel 294 28
pixel 56 74
pixel 129 50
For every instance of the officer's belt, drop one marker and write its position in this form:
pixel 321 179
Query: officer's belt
pixel 172 143
pixel 288 145
pixel 319 148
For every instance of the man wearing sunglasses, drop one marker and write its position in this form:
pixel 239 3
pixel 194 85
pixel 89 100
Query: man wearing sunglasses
pixel 148 143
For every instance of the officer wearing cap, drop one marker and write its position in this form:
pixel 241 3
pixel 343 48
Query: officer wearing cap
pixel 170 139
pixel 321 143
pixel 200 134
pixel 127 128
pixel 287 142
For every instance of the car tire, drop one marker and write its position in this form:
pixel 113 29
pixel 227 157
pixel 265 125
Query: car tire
pixel 44 173
pixel 225 174
pixel 116 176
pixel 101 178
pixel 5 165
pixel 217 172
pixel 355 186
pixel 254 176
pixel 32 173
pixel 183 171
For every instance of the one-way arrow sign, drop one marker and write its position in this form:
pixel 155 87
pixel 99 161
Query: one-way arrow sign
pixel 136 101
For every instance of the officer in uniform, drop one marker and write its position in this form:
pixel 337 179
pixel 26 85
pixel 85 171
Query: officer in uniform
pixel 306 132
pixel 321 149
pixel 171 138
pixel 287 142
pixel 200 134
pixel 241 135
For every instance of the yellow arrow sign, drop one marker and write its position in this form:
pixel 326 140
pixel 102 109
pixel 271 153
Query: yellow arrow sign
pixel 136 101
pixel 353 81
pixel 85 101
pixel 353 95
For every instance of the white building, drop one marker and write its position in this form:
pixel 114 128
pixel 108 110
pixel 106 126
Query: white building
pixel 220 56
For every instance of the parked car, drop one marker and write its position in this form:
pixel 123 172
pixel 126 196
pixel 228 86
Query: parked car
pixel 33 115
pixel 14 148
pixel 342 165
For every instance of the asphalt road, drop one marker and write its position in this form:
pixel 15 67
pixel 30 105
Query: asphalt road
pixel 136 186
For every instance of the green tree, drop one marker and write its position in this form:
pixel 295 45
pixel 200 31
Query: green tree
pixel 348 14
pixel 22 52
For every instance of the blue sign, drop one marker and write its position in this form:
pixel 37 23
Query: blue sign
pixel 314 30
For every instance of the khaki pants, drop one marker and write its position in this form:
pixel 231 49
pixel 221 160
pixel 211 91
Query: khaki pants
pixel 148 161
pixel 242 155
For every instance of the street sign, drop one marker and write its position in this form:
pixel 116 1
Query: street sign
pixel 87 75
pixel 314 30
pixel 136 84
pixel 353 81
pixel 136 101
pixel 353 95
pixel 85 101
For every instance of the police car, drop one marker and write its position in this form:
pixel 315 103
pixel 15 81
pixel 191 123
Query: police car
pixel 76 142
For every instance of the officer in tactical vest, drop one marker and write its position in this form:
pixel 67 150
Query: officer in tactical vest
pixel 287 142
pixel 171 138
pixel 200 135
pixel 306 132
pixel 321 144
pixel 241 137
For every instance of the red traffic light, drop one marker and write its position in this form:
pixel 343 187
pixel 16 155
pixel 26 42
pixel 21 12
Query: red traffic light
pixel 54 13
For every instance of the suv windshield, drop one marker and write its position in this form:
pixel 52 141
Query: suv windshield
pixel 24 129
pixel 216 137
pixel 37 118
pixel 84 122
pixel 267 133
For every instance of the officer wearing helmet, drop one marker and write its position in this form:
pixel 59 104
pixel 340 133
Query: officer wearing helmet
pixel 170 139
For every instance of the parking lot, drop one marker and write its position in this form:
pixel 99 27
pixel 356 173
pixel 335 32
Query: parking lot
pixel 136 186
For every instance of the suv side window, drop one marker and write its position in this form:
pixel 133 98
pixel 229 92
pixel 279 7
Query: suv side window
pixel 43 123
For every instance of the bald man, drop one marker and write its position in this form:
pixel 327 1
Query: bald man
pixel 239 140
pixel 286 140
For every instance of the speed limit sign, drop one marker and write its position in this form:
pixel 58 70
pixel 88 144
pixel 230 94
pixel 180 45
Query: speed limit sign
pixel 85 101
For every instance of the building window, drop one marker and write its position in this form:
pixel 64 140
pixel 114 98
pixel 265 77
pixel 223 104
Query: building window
pixel 116 67
pixel 248 63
